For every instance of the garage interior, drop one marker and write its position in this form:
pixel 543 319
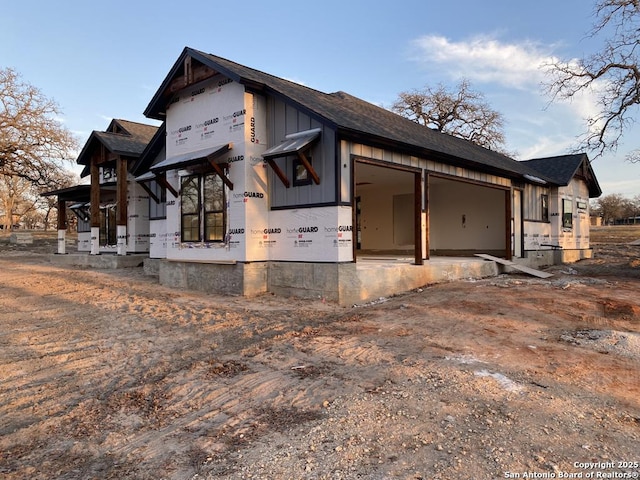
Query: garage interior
pixel 464 217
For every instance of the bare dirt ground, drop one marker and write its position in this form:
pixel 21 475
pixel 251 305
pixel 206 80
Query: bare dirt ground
pixel 108 375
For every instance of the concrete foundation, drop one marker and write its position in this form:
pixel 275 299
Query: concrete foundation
pixel 343 283
pixel 370 278
pixel 104 261
pixel 246 279
pixel 22 238
pixel 545 258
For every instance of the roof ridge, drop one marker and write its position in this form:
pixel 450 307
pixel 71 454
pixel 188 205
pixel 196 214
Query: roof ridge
pixel 260 72
pixel 133 121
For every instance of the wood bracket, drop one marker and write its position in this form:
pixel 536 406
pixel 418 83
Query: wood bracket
pixel 279 173
pixel 309 167
pixel 219 170
pixel 146 188
pixel 162 180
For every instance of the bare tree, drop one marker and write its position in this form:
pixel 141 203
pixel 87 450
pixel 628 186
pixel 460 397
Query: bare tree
pixel 33 144
pixel 15 200
pixel 21 201
pixel 610 207
pixel 462 113
pixel 611 74
pixel 48 204
pixel 631 209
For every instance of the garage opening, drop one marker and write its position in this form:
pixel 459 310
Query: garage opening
pixel 466 218
pixel 387 214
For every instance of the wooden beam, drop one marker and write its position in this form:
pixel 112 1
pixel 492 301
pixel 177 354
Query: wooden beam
pixel 218 168
pixel 121 202
pixel 426 213
pixel 198 74
pixel 280 174
pixel 509 263
pixel 95 194
pixel 62 214
pixel 309 167
pixel 508 199
pixel 162 180
pixel 188 74
pixel 146 188
pixel 417 217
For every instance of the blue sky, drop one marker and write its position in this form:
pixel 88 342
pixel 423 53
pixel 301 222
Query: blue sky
pixel 105 60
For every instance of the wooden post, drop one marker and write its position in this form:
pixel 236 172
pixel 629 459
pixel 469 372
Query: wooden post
pixel 426 213
pixel 121 169
pixel 417 217
pixel 95 194
pixel 121 206
pixel 62 226
pixel 508 196
pixel 62 214
pixel 95 206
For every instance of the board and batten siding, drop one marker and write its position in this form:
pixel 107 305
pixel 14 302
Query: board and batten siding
pixel 532 201
pixel 347 149
pixel 282 120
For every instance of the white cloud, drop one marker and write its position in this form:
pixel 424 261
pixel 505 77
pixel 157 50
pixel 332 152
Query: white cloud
pixel 485 59
pixel 509 66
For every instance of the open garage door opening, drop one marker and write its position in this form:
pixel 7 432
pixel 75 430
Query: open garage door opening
pixel 387 216
pixel 466 218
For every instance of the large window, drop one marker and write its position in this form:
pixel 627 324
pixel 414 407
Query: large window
pixel 203 208
pixel 567 213
pixel 213 208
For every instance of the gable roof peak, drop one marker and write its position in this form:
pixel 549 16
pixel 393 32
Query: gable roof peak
pixel 350 116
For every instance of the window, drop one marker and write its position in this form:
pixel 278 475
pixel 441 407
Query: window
pixel 157 210
pixel 213 208
pixel 567 213
pixel 544 203
pixel 300 173
pixel 203 208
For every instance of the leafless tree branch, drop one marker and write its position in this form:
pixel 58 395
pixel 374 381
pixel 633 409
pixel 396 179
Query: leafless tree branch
pixel 462 113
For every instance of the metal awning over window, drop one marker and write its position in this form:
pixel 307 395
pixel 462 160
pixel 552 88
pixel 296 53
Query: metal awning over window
pixel 294 144
pixel 205 156
pixel 191 158
pixel 81 211
pixel 146 177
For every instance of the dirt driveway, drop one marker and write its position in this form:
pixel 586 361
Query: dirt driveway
pixel 106 374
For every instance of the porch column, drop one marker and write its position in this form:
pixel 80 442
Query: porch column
pixel 508 230
pixel 426 214
pixel 95 208
pixel 121 215
pixel 62 227
pixel 417 217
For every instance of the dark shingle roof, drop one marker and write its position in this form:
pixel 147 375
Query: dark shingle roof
pixel 151 151
pixel 122 137
pixel 351 117
pixel 562 168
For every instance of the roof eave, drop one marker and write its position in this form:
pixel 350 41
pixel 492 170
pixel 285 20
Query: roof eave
pixel 153 148
pixel 426 153
pixel 86 149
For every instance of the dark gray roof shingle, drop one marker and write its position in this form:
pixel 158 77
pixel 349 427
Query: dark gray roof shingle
pixel 562 168
pixel 130 139
pixel 353 117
